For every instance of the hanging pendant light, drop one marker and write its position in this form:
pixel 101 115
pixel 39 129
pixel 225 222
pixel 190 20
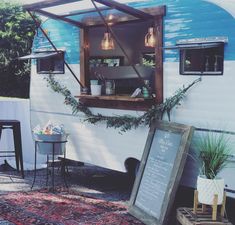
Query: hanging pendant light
pixel 110 19
pixel 107 42
pixel 150 38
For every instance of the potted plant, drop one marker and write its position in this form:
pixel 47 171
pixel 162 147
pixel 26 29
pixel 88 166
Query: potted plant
pixel 214 150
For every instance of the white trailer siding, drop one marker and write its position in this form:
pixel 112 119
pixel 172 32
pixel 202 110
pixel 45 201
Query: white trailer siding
pixel 209 104
pixel 87 143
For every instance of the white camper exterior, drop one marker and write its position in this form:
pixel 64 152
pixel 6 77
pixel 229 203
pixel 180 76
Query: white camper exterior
pixel 207 105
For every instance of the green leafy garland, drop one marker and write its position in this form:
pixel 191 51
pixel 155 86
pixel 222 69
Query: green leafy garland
pixel 124 122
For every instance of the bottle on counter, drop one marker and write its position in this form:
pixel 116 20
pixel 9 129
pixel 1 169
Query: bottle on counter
pixel 109 87
pixel 145 90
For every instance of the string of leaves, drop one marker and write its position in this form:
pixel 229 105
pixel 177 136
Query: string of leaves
pixel 122 122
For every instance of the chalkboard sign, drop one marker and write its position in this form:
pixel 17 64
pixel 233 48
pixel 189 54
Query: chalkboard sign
pixel 160 171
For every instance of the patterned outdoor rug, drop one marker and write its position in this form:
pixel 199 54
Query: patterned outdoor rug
pixel 62 208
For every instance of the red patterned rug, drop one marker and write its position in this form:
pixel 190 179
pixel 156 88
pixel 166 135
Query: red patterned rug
pixel 62 208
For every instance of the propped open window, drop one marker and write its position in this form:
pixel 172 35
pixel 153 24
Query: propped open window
pixel 118 21
pixel 53 64
pixel 203 58
pixel 47 61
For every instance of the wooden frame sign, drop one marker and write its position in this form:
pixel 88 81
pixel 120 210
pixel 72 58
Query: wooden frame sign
pixel 160 171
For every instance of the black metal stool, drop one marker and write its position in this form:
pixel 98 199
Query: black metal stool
pixel 17 152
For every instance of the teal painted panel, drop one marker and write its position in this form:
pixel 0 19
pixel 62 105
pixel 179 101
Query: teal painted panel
pixel 184 19
pixel 63 35
pixel 194 19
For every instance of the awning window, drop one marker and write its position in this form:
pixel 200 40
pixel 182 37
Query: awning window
pixel 39 55
pixel 195 45
pixel 199 43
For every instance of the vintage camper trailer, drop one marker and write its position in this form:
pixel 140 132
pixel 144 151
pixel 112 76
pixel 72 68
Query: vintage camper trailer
pixel 194 39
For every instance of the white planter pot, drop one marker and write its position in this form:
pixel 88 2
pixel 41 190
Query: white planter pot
pixel 207 188
pixel 95 89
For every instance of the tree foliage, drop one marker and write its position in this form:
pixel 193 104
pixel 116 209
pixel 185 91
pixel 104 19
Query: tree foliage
pixel 16 36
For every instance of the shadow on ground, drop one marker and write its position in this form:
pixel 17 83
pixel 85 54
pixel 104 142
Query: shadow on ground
pixel 91 180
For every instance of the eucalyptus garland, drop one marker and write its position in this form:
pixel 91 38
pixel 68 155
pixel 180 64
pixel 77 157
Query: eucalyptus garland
pixel 124 122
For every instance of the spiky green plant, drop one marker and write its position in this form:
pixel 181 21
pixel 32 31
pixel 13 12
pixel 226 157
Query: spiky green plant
pixel 214 150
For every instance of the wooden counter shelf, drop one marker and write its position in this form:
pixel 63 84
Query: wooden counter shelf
pixel 113 97
pixel 116 101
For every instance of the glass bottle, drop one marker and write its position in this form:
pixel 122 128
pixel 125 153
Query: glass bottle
pixel 145 89
pixel 216 65
pixel 207 63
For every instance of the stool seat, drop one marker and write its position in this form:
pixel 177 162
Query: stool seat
pixel 8 122
pixel 17 152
